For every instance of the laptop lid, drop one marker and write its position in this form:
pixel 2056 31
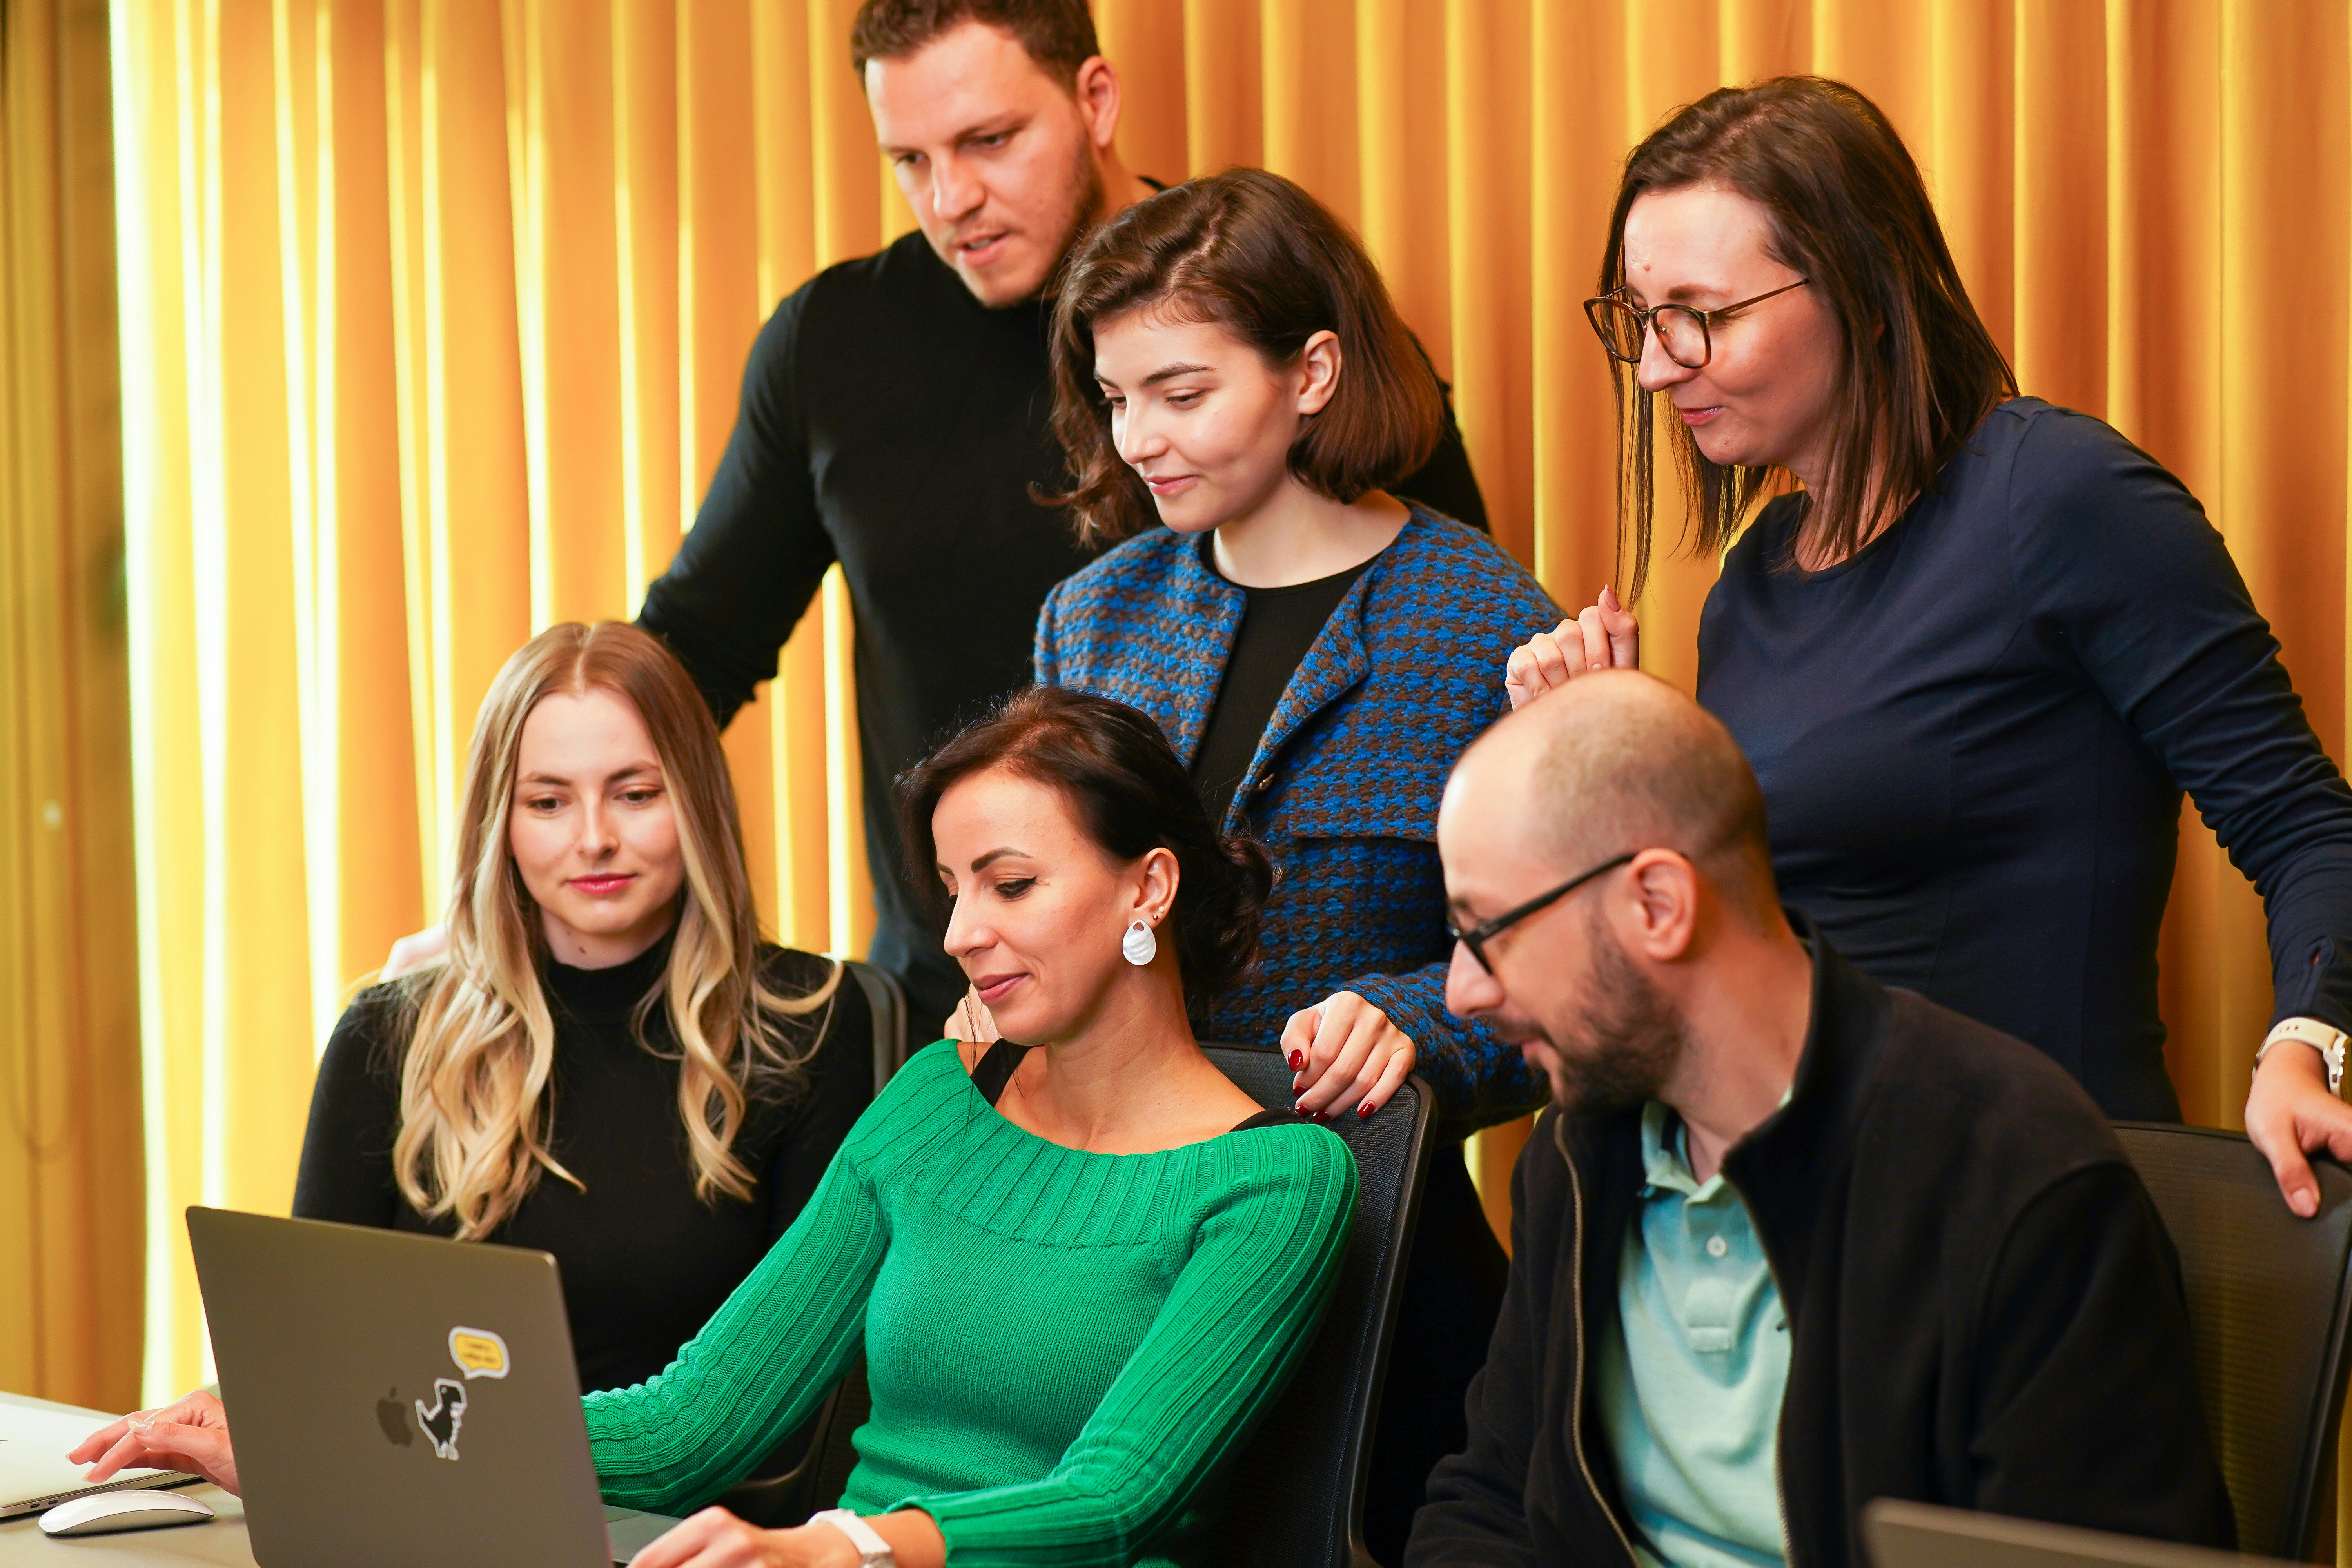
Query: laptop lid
pixel 397 1399
pixel 1920 1535
pixel 35 1475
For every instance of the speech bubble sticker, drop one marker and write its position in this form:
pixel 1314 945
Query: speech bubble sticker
pixel 478 1352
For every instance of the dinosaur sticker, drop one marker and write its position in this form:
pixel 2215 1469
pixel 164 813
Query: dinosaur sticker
pixel 442 1421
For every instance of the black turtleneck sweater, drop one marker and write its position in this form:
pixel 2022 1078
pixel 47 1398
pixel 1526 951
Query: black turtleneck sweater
pixel 892 423
pixel 645 1262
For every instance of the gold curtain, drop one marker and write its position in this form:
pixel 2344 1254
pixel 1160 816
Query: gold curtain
pixel 432 311
pixel 70 1173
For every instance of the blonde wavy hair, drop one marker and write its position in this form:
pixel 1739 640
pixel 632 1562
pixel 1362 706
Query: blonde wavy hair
pixel 474 1108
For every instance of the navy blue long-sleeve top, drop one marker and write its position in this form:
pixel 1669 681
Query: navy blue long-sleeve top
pixel 1973 734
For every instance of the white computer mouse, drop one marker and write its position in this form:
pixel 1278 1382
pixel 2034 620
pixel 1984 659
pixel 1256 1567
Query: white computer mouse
pixel 100 1512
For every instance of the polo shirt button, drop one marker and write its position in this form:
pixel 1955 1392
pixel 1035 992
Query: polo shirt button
pixel 1716 1247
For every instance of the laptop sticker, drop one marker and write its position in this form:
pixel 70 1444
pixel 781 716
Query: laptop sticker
pixel 478 1352
pixel 441 1422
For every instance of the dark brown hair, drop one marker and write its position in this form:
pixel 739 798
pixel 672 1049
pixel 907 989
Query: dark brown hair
pixel 1254 253
pixel 1849 213
pixel 1129 794
pixel 1059 35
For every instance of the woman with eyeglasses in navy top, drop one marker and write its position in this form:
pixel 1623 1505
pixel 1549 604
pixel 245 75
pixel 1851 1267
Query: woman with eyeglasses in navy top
pixel 1977 654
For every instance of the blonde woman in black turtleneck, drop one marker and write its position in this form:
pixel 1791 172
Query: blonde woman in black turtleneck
pixel 609 1064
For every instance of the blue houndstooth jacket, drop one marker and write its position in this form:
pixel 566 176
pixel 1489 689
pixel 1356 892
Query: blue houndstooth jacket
pixel 1343 790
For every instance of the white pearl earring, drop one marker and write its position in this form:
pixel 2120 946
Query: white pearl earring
pixel 1139 946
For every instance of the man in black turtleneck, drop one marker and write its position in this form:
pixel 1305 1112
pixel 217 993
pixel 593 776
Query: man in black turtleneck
pixel 895 407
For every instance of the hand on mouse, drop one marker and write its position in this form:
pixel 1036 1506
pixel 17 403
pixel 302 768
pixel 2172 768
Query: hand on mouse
pixel 191 1434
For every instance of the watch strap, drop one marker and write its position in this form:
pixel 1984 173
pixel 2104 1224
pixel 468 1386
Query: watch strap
pixel 2324 1039
pixel 873 1551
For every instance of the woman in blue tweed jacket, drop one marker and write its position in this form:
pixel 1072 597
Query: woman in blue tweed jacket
pixel 1228 364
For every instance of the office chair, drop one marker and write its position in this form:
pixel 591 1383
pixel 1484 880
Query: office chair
pixel 801 1487
pixel 2270 1297
pixel 888 1002
pixel 1295 1495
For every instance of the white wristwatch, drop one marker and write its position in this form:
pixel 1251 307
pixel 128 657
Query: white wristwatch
pixel 2327 1040
pixel 873 1551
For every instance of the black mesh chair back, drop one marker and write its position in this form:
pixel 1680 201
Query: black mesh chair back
pixel 2269 1298
pixel 1295 1495
pixel 790 1484
pixel 888 1002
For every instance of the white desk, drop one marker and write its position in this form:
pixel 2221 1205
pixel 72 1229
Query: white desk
pixel 216 1540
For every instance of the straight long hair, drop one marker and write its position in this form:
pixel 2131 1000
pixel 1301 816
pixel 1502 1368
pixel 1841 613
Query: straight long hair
pixel 474 1108
pixel 1848 211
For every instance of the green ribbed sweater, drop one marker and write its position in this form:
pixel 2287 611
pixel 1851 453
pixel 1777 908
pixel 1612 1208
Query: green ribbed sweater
pixel 1063 1346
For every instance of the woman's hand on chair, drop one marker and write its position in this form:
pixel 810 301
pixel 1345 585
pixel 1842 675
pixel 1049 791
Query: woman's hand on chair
pixel 2291 1116
pixel 1604 636
pixel 413 952
pixel 971 1021
pixel 1346 1056
pixel 191 1434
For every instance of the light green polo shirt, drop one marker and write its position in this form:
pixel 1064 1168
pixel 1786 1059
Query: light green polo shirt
pixel 1690 1375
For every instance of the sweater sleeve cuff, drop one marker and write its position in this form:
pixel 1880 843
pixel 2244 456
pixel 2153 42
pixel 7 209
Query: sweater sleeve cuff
pixel 2319 987
pixel 1479 1078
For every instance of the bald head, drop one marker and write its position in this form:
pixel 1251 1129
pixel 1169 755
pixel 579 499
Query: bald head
pixel 1617 760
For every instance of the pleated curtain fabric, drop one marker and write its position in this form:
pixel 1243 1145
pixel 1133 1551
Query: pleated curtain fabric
pixel 70 1173
pixel 432 314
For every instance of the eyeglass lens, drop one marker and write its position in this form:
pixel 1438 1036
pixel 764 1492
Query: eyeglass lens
pixel 1681 332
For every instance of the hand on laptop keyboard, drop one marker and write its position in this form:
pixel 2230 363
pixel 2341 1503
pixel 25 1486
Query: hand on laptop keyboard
pixel 191 1434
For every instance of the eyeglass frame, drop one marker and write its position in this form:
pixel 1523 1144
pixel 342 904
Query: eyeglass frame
pixel 1649 318
pixel 1477 938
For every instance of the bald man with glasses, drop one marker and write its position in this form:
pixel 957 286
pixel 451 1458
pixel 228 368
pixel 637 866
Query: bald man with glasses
pixel 1785 1240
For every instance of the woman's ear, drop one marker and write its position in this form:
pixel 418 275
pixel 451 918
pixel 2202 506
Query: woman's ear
pixel 1156 878
pixel 1319 366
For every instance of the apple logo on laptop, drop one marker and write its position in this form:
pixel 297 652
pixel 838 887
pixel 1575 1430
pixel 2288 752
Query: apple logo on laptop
pixel 392 1416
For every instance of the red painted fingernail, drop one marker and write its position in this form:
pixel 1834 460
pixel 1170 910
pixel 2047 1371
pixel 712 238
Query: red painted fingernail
pixel 1298 1061
pixel 1365 1111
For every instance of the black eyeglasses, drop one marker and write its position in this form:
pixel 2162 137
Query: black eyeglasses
pixel 1477 938
pixel 1682 328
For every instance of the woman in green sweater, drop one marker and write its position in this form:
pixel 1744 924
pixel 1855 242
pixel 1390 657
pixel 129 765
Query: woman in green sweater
pixel 1080 1267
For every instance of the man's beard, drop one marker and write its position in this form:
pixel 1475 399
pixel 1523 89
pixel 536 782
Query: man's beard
pixel 1082 200
pixel 1624 1050
pixel 1085 190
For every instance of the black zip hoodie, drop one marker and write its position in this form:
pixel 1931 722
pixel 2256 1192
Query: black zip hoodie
pixel 1985 1310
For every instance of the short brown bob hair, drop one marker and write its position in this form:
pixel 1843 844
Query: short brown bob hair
pixel 1258 256
pixel 1129 794
pixel 1849 213
pixel 1059 35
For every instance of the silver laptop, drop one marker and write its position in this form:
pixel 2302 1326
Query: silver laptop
pixel 1918 1535
pixel 401 1400
pixel 36 1434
